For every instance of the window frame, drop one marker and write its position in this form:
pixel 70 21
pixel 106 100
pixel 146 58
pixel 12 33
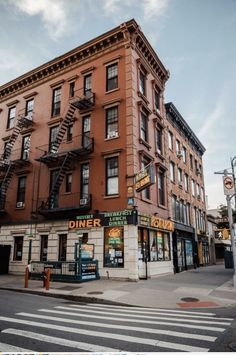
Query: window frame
pixel 43 242
pixel 112 81
pixel 56 102
pixel 170 140
pixel 18 247
pixel 11 118
pixel 159 139
pixel 29 110
pixel 72 89
pixel 84 181
pixel 68 183
pixel 62 247
pixel 144 134
pixel 161 191
pixel 114 120
pixel 114 176
pixel 88 85
pixel 172 171
pixel 21 189
pixel 25 148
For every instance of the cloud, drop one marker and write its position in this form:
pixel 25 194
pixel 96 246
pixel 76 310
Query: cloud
pixel 154 8
pixel 52 12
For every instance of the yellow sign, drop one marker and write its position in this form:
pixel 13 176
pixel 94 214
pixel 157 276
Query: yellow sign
pixel 162 224
pixel 85 223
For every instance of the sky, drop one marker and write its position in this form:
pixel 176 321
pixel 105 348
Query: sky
pixel 195 40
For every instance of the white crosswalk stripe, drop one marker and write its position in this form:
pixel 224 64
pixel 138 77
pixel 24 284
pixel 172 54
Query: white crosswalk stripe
pixel 108 328
pixel 11 348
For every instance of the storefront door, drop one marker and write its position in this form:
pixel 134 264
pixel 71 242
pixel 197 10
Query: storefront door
pixel 180 254
pixel 142 253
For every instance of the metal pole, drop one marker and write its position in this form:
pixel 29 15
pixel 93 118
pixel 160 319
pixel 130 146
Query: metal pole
pixel 231 227
pixel 232 166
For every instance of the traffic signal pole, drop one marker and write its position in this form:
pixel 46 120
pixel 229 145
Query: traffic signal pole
pixel 232 233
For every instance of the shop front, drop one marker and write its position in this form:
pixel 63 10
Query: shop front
pixel 203 250
pixel 183 247
pixel 154 246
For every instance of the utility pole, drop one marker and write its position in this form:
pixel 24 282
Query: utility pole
pixel 232 233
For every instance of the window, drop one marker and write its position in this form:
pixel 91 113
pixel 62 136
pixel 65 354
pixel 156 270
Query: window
pixel 86 131
pixel 56 102
pixel 142 83
pixel 193 187
pixel 181 211
pixel 112 122
pixel 62 247
pixel 144 163
pixel 11 117
pixel 52 139
pixel 202 194
pixel 68 181
pixel 29 109
pixel 157 100
pixel 112 77
pixel 173 207
pixel 112 176
pixel 69 134
pixel 184 155
pixel 200 169
pixel 188 213
pixel 44 248
pixel 198 191
pixel 72 89
pixel 88 85
pixel 178 150
pixel 159 246
pixel 172 171
pixel 159 139
pixel 186 182
pixel 114 247
pixel 25 148
pixel 180 177
pixel 170 140
pixel 161 188
pixel 84 182
pixel 18 248
pixel 191 161
pixel 196 166
pixel 21 191
pixel 54 196
pixel 144 127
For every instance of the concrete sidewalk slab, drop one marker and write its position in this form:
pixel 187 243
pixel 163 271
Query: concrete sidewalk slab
pixel 210 285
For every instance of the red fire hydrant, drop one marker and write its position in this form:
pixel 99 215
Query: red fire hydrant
pixel 46 278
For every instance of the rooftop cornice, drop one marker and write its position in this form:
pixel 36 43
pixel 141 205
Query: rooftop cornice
pixel 128 33
pixel 176 119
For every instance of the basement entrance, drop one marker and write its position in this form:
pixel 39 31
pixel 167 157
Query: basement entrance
pixel 4 257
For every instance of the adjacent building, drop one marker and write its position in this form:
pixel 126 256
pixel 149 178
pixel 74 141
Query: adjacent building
pixel 85 156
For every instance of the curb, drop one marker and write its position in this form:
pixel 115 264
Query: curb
pixel 83 299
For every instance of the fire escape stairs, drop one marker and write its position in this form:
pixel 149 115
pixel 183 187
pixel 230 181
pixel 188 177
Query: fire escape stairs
pixel 5 163
pixel 63 127
pixel 5 183
pixel 64 168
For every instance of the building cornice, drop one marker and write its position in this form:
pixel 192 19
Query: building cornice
pixel 178 121
pixel 127 34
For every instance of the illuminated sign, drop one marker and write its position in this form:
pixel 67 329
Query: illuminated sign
pixel 144 178
pixel 162 223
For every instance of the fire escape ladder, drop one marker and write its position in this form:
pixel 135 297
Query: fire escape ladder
pixel 22 122
pixel 62 128
pixel 5 183
pixel 64 168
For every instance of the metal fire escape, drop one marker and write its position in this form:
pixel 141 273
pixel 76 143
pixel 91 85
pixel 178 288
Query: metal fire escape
pixel 54 156
pixel 8 165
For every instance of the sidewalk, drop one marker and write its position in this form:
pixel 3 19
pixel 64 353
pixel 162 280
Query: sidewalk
pixel 205 287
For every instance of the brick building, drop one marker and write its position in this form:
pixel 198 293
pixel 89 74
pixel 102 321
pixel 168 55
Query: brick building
pixel 187 193
pixel 84 155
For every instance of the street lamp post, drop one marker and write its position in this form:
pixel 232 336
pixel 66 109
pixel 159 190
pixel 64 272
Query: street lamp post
pixel 233 161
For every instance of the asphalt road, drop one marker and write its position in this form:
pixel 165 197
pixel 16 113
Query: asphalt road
pixel 42 324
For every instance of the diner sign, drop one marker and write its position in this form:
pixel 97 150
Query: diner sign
pixel 155 222
pixel 106 219
pixel 144 178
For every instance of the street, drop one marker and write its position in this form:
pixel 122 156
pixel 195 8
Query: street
pixel 42 324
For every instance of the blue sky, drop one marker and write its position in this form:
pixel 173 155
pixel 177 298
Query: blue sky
pixel 195 39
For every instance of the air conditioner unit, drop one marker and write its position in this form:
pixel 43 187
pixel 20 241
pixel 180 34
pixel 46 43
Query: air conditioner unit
pixel 113 134
pixel 179 154
pixel 198 171
pixel 20 204
pixel 83 201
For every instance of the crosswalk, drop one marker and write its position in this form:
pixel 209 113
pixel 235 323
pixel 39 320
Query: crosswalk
pixel 110 328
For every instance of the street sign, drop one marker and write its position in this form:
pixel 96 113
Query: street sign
pixel 228 183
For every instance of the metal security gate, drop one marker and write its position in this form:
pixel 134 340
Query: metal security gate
pixel 5 251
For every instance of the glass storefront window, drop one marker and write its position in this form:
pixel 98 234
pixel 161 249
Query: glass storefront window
pixel 114 247
pixel 189 252
pixel 153 246
pixel 159 243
